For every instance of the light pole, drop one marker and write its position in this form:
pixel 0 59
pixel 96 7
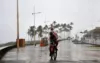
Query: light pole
pixel 17 26
pixel 34 20
pixel 46 21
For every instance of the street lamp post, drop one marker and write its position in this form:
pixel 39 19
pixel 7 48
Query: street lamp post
pixel 34 20
pixel 17 25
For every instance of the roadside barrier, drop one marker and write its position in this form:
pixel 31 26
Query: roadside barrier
pixel 5 50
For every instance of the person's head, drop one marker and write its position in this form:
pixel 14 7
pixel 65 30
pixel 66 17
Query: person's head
pixel 52 27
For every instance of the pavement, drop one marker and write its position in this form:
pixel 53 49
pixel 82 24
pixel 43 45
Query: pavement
pixel 67 53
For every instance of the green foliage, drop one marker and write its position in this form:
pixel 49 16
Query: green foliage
pixel 54 22
pixel 40 31
pixel 84 32
pixel 45 27
pixel 32 31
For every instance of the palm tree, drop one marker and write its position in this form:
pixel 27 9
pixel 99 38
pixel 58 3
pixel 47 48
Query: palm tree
pixel 60 30
pixel 57 26
pixel 71 23
pixel 45 29
pixel 69 26
pixel 84 32
pixel 40 31
pixel 32 32
pixel 29 34
pixel 65 29
pixel 54 22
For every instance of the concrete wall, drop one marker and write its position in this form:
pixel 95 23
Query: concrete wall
pixel 5 50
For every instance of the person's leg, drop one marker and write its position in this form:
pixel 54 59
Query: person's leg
pixel 56 46
pixel 49 51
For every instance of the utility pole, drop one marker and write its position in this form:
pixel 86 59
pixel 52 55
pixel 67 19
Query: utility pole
pixel 17 26
pixel 34 21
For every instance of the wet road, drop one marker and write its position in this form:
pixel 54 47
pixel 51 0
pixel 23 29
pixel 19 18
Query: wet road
pixel 67 53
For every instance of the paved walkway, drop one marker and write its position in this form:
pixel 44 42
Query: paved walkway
pixel 68 53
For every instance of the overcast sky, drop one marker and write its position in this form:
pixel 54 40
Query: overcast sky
pixel 84 13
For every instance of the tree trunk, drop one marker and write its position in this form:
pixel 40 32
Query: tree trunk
pixel 65 34
pixel 70 34
pixel 31 39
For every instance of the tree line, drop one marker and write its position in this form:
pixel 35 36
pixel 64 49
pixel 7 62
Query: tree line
pixel 40 30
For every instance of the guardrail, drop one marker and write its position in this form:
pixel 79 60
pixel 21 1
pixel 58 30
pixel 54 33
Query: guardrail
pixel 5 49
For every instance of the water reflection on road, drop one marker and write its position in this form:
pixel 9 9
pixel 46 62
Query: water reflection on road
pixel 67 51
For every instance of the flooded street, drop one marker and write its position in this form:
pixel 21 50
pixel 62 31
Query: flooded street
pixel 67 53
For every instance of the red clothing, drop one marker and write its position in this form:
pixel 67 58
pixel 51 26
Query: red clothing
pixel 55 34
pixel 53 39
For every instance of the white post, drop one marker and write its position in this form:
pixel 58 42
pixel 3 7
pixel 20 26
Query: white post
pixel 17 26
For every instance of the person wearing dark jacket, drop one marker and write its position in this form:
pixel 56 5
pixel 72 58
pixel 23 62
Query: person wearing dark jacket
pixel 53 39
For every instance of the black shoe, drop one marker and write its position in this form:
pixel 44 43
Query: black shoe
pixel 54 58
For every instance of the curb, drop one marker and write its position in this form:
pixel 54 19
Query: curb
pixel 5 50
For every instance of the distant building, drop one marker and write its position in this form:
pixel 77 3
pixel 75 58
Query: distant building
pixel 93 36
